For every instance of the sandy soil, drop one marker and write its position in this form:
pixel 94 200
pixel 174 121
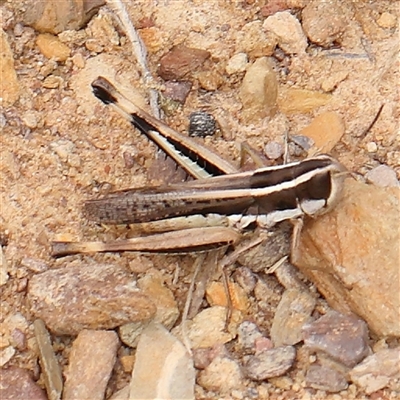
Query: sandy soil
pixel 60 145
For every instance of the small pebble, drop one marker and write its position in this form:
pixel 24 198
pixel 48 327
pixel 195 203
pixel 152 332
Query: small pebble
pixel 95 305
pixel 270 363
pixel 130 333
pixel 3 121
pixel 282 382
pixel 128 159
pixel 6 355
pixel 91 362
pixel 216 295
pixel 237 63
pixel 273 7
pixel 18 339
pixel 325 130
pixel 48 68
pixel 222 375
pixel 94 45
pixel 254 41
pixel 203 357
pixel 30 119
pixel 163 367
pixel 127 363
pixel 248 332
pixel 342 337
pixel 372 147
pixel 377 370
pixel 301 101
pixel 273 150
pixel 51 47
pixel 35 265
pixel 180 61
pixel 324 378
pixel 293 311
pixel 18 29
pixel 259 91
pixel 63 148
pixel 295 150
pixel 304 142
pixel 177 91
pixel 245 278
pixel 387 20
pixel 52 82
pixel 152 285
pixel 324 21
pixel 209 80
pixel 17 383
pixel 287 28
pixel 201 124
pixel 382 176
pixel 207 328
pixel 9 84
pixel 3 268
pixel 78 60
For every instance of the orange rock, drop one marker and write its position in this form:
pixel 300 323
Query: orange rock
pixel 216 295
pixel 351 254
pixel 152 38
pixel 326 130
pixel 51 47
pixel 9 86
pixel 292 101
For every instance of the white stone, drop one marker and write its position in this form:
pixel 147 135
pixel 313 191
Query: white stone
pixel 383 176
pixel 372 147
pixel 287 28
pixel 237 63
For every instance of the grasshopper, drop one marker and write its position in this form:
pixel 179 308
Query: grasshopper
pixel 265 196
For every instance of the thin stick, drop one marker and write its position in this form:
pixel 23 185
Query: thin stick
pixel 229 303
pixel 204 276
pixel 286 148
pixel 363 134
pixel 297 228
pixel 198 263
pixel 139 49
pixel 275 266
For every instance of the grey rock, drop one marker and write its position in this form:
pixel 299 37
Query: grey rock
pixel 324 378
pixel 16 383
pixel 273 150
pixel 270 363
pixel 91 362
pixel 48 361
pixel 294 310
pixel 248 332
pixel 378 370
pixel 245 278
pixel 343 337
pixel 383 176
pixel 163 367
pixel 79 297
pixel 201 124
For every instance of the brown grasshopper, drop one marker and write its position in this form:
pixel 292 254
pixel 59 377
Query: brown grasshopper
pixel 266 196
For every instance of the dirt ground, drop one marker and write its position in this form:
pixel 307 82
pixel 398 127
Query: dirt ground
pixel 60 145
